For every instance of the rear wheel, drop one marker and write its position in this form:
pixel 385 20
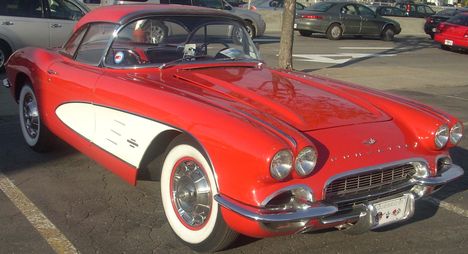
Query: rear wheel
pixel 188 188
pixel 388 33
pixel 334 32
pixel 5 52
pixel 35 133
pixel 305 33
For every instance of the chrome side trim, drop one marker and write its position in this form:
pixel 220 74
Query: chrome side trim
pixel 369 169
pixel 6 83
pixel 449 175
pixel 317 210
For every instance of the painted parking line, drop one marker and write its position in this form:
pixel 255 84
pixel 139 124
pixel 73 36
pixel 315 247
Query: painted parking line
pixel 448 206
pixel 456 97
pixel 56 240
pixel 376 48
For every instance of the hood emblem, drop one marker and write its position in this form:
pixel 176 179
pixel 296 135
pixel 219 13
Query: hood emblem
pixel 370 141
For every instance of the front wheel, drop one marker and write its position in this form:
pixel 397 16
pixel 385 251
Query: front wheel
pixel 35 133
pixel 188 188
pixel 388 34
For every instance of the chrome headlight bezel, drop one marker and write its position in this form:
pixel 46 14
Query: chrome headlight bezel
pixel 441 136
pixel 281 164
pixel 456 133
pixel 306 161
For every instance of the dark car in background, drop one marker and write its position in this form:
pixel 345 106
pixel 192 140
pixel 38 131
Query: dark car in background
pixel 388 11
pixel 453 33
pixel 336 19
pixel 433 21
pixel 416 10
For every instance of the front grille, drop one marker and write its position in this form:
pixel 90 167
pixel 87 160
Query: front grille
pixel 350 190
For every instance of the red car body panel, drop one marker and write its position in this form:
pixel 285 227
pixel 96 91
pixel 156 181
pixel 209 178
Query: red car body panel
pixel 457 34
pixel 241 114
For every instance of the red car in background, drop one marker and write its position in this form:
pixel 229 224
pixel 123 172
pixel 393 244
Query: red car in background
pixel 453 33
pixel 178 95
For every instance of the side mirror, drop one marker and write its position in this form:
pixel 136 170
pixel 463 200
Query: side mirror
pixel 228 7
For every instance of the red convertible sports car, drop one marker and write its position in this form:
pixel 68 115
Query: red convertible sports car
pixel 178 95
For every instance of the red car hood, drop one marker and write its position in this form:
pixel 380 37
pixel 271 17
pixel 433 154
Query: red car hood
pixel 305 103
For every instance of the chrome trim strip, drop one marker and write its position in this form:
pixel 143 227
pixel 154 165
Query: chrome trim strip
pixel 6 83
pixel 317 210
pixel 369 169
pixel 449 175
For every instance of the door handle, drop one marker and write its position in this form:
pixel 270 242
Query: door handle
pixel 7 23
pixel 56 25
pixel 52 72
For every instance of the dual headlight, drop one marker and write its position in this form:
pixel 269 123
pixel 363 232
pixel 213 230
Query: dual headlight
pixel 444 134
pixel 282 163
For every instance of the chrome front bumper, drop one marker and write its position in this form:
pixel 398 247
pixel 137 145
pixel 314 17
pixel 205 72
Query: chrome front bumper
pixel 6 83
pixel 328 213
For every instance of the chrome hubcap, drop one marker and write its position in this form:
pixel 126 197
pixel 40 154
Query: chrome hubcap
pixel 191 193
pixel 30 115
pixel 335 32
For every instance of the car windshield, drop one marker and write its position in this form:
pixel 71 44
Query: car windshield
pixel 320 7
pixel 166 41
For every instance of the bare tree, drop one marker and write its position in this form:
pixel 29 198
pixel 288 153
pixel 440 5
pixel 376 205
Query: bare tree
pixel 287 35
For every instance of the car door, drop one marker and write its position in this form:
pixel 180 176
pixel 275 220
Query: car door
pixel 62 17
pixel 370 23
pixel 350 19
pixel 22 22
pixel 73 78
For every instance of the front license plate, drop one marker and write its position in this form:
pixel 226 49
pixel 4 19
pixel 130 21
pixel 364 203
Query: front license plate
pixel 295 25
pixel 390 211
pixel 448 42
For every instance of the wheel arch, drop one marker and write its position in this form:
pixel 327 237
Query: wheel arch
pixel 153 158
pixel 20 80
pixel 387 25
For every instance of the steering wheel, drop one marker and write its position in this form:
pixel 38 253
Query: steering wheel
pixel 203 48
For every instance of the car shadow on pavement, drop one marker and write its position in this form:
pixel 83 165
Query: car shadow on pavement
pixel 401 44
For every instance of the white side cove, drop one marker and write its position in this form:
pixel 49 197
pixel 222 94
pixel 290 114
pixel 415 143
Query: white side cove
pixel 122 134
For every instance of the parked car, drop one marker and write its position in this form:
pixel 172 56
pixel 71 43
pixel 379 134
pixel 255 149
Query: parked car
pixel 453 33
pixel 433 21
pixel 253 21
pixel 40 23
pixel 270 5
pixel 236 146
pixel 336 19
pixel 388 11
pixel 416 10
pixel 235 3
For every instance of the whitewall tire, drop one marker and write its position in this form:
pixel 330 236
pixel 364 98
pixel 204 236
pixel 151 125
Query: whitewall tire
pixel 36 135
pixel 187 188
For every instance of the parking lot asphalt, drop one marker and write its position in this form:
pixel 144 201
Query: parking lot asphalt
pixel 99 213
